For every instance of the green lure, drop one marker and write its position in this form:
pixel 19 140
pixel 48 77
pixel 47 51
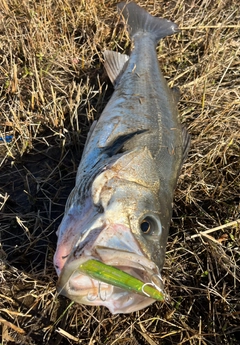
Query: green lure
pixel 113 276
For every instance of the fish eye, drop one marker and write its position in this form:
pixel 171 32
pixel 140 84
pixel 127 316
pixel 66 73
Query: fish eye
pixel 145 226
pixel 151 225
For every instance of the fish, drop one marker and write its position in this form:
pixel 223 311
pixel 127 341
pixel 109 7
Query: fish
pixel 118 215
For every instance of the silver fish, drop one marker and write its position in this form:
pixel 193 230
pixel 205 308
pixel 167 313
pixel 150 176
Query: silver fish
pixel 120 209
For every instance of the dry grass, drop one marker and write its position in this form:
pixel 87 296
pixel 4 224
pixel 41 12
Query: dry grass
pixel 52 86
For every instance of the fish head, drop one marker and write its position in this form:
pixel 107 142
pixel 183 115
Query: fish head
pixel 121 223
pixel 125 235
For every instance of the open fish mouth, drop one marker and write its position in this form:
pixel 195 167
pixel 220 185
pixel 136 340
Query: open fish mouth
pixel 122 288
pixel 109 268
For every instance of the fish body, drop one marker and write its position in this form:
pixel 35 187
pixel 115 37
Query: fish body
pixel 120 209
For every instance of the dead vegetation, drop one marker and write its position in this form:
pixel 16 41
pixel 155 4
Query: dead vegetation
pixel 52 86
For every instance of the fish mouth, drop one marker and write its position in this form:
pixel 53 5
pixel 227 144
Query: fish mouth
pixel 85 288
pixel 82 288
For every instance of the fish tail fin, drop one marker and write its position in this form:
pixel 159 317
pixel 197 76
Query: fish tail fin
pixel 140 21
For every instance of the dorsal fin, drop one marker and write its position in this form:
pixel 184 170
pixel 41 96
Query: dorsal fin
pixel 115 65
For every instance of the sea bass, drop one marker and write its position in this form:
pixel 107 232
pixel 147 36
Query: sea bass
pixel 119 212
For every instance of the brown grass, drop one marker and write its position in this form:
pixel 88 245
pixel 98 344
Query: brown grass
pixel 52 86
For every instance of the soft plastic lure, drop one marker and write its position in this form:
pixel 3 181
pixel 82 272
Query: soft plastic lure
pixel 114 276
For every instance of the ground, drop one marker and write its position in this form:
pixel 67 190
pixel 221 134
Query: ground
pixel 52 87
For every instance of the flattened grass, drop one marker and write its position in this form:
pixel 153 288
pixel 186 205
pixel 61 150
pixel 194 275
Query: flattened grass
pixel 52 87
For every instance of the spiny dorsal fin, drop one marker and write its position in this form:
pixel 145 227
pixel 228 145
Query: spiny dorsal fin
pixel 114 65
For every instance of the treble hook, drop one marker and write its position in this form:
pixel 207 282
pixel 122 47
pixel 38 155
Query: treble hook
pixel 91 297
pixel 153 284
pixel 146 284
pixel 100 293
